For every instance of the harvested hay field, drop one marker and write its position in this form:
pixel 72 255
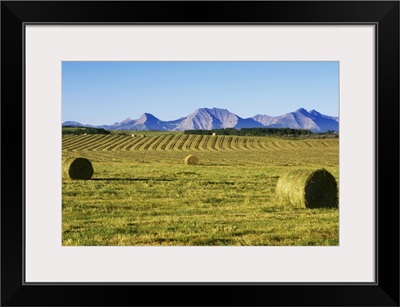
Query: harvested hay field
pixel 143 194
pixel 77 169
pixel 308 188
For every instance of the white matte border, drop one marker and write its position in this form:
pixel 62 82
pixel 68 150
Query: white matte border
pixel 48 45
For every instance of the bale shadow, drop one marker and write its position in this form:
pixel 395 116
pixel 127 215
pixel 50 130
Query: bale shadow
pixel 132 179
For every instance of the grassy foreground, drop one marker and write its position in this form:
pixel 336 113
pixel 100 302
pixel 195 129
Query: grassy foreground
pixel 145 195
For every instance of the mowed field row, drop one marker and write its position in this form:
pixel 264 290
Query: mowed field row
pixel 182 142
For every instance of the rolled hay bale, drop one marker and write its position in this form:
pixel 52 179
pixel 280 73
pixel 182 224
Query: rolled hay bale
pixel 77 168
pixel 133 135
pixel 142 136
pixel 214 134
pixel 191 160
pixel 308 188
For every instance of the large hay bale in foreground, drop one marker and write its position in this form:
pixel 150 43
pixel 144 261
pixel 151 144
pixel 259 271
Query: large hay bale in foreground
pixel 308 188
pixel 191 160
pixel 77 168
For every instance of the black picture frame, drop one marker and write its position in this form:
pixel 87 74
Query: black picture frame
pixel 383 14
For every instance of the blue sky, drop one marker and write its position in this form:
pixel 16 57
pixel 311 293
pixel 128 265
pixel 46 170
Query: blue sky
pixel 106 92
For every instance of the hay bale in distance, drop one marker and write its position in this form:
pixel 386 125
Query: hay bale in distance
pixel 214 134
pixel 142 135
pixel 191 160
pixel 77 168
pixel 308 188
pixel 133 135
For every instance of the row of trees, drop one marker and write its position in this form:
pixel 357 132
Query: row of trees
pixel 253 132
pixel 83 130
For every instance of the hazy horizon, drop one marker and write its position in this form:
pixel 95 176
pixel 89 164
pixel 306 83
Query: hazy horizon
pixel 98 93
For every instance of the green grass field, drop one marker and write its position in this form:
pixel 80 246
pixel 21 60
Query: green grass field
pixel 142 193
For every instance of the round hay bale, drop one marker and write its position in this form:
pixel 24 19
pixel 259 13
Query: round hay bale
pixel 142 135
pixel 133 135
pixel 308 188
pixel 214 134
pixel 191 160
pixel 77 168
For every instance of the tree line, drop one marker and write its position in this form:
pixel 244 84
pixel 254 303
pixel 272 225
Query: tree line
pixel 253 131
pixel 83 130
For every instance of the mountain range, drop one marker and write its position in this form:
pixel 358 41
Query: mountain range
pixel 215 118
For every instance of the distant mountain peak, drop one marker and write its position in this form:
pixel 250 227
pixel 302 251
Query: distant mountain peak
pixel 219 109
pixel 148 115
pixel 72 124
pixel 147 122
pixel 302 111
